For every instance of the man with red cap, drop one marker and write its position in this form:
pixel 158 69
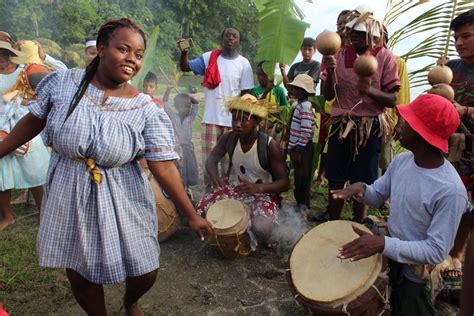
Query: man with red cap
pixel 427 198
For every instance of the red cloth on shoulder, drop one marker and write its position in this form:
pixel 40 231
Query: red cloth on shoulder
pixel 158 102
pixel 212 77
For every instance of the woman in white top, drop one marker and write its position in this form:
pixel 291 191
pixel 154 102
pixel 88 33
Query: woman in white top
pixel 26 167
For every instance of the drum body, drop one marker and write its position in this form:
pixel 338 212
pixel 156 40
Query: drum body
pixel 231 221
pixel 327 285
pixel 168 219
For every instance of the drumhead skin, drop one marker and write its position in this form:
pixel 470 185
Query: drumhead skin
pixel 316 272
pixel 225 213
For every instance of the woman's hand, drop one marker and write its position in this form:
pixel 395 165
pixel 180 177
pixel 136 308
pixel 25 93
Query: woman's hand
pixel 199 224
pixel 169 179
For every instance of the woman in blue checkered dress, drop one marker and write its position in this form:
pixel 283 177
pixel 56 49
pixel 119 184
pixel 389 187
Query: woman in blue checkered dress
pixel 98 218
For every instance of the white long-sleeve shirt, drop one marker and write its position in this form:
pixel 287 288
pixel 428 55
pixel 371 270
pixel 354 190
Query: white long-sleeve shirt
pixel 56 64
pixel 426 206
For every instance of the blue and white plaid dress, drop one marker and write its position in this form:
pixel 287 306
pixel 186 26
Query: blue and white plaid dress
pixel 105 231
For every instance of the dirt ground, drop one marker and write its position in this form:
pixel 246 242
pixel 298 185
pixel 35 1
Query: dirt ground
pixel 194 279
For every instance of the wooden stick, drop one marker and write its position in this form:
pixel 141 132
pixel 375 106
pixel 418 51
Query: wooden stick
pixel 446 46
pixel 349 127
pixel 167 79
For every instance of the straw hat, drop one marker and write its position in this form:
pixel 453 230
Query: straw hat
pixel 304 82
pixel 248 103
pixel 8 46
pixel 4 36
pixel 31 54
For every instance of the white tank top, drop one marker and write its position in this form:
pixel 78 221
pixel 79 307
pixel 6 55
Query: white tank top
pixel 248 166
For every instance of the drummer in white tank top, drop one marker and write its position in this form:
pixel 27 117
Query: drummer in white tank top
pixel 246 164
pixel 257 188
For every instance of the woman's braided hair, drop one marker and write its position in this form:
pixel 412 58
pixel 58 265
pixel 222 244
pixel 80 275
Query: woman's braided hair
pixel 103 36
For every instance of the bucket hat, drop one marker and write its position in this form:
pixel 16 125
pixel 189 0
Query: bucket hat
pixel 433 117
pixel 304 82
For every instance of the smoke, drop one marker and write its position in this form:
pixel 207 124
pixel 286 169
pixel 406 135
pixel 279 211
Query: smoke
pixel 291 225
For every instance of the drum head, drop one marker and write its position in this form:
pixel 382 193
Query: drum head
pixel 226 213
pixel 317 273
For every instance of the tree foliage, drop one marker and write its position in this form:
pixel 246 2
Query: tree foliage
pixel 68 22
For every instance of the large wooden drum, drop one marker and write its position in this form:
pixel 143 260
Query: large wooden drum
pixel 231 220
pixel 327 285
pixel 168 219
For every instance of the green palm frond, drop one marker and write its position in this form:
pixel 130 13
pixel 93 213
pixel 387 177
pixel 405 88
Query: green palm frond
pixel 77 47
pixel 50 43
pixel 147 63
pixel 50 47
pixel 281 32
pixel 435 23
pixel 74 58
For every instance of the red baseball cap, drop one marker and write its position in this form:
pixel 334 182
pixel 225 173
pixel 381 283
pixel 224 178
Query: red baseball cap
pixel 433 117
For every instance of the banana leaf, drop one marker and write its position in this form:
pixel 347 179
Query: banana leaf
pixel 281 32
pixel 317 101
pixel 50 43
pixel 147 63
pixel 51 47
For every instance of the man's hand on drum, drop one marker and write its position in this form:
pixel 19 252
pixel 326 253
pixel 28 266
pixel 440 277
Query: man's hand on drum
pixel 355 190
pixel 364 246
pixel 246 187
pixel 199 224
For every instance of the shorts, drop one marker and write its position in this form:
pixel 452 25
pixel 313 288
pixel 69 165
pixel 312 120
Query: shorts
pixel 342 166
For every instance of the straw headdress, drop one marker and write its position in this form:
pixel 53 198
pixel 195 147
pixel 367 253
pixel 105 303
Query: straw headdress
pixel 363 19
pixel 31 54
pixel 248 103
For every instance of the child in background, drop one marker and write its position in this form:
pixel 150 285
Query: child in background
pixel 267 89
pixel 276 97
pixel 182 115
pixel 150 84
pixel 308 66
pixel 300 144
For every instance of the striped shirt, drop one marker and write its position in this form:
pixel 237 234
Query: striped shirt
pixel 302 125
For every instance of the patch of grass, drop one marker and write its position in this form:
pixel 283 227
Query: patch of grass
pixel 21 278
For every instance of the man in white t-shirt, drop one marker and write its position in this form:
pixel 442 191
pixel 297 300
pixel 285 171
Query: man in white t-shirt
pixel 226 74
